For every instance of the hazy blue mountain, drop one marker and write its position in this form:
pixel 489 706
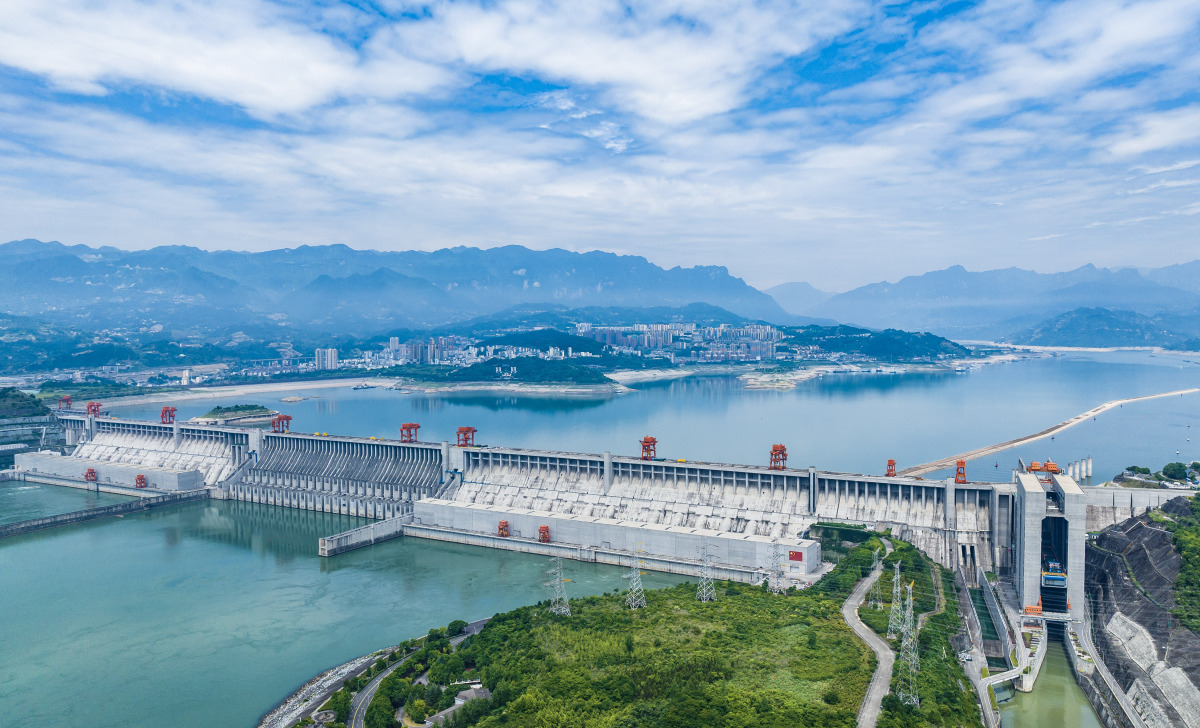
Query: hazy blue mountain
pixel 959 303
pixel 493 279
pixel 1184 276
pixel 365 303
pixel 1101 327
pixel 798 298
pixel 336 286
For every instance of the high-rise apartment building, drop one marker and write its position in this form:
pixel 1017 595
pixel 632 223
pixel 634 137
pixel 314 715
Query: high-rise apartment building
pixel 327 359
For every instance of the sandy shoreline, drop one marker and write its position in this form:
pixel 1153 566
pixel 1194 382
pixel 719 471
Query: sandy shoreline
pixel 621 380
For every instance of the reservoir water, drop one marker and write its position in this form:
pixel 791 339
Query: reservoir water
pixel 210 613
pixel 852 423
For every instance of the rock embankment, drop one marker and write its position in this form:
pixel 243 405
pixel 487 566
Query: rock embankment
pixel 1131 573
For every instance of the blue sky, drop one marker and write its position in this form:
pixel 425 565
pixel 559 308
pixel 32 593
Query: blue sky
pixel 838 142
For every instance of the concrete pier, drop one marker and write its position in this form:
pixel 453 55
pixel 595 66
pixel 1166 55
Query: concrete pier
pixel 357 538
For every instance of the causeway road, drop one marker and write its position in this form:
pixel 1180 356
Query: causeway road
pixel 881 681
pixel 361 699
pixel 993 449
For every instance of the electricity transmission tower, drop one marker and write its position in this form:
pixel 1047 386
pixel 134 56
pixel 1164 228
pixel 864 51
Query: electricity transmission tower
pixel 777 575
pixel 907 691
pixel 895 617
pixel 706 592
pixel 636 598
pixel 559 605
pixel 875 599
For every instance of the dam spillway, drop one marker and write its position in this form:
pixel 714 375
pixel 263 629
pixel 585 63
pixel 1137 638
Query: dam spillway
pixel 973 526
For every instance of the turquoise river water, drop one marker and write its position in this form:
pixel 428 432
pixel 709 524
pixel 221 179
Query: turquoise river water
pixel 210 613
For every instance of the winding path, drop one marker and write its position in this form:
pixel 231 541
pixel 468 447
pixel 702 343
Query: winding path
pixel 992 449
pixel 362 699
pixel 881 681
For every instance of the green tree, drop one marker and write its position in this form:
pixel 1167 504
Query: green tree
pixel 417 711
pixel 456 627
pixel 1175 471
pixel 380 713
pixel 339 703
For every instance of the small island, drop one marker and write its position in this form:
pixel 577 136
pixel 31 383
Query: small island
pixel 242 414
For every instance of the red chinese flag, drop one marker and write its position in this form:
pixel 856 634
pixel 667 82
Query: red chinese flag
pixel 795 556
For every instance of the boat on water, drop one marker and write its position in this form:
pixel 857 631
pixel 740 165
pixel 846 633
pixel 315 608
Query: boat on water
pixel 363 385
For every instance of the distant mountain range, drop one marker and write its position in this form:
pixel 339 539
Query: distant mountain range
pixel 339 289
pixel 334 290
pixel 1101 327
pixel 796 298
pixel 1019 305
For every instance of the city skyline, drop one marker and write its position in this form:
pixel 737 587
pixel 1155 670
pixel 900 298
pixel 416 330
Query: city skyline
pixel 863 141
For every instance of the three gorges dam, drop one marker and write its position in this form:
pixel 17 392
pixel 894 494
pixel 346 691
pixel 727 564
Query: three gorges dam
pixel 751 521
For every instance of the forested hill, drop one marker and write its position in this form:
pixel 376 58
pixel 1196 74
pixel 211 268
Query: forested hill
pixel 15 403
pixel 886 345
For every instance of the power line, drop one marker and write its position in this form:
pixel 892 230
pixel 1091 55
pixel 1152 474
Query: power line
pixel 875 600
pixel 907 691
pixel 894 619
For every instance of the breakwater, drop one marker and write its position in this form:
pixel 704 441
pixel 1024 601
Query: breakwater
pixel 949 462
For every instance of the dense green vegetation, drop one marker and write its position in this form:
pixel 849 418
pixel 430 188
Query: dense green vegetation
pixel 15 403
pixel 544 340
pixel 1186 530
pixel 943 702
pixel 751 658
pixel 92 388
pixel 238 410
pixel 838 539
pixel 888 345
pixel 1170 471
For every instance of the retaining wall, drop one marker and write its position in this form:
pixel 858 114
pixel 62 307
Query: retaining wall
pixel 366 535
pixel 583 553
pixel 63 519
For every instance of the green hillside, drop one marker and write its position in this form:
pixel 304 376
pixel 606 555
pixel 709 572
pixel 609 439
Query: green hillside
pixel 15 403
pixel 544 339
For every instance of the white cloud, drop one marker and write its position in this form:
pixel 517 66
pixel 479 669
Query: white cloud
pixel 1158 130
pixel 241 52
pixel 1002 135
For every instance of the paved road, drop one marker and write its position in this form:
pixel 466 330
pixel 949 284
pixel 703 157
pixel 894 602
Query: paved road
pixel 360 701
pixel 881 681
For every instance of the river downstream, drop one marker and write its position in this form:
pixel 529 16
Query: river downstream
pixel 209 614
pixel 1056 699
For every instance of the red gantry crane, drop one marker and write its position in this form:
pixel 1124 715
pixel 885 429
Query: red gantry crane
pixel 778 457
